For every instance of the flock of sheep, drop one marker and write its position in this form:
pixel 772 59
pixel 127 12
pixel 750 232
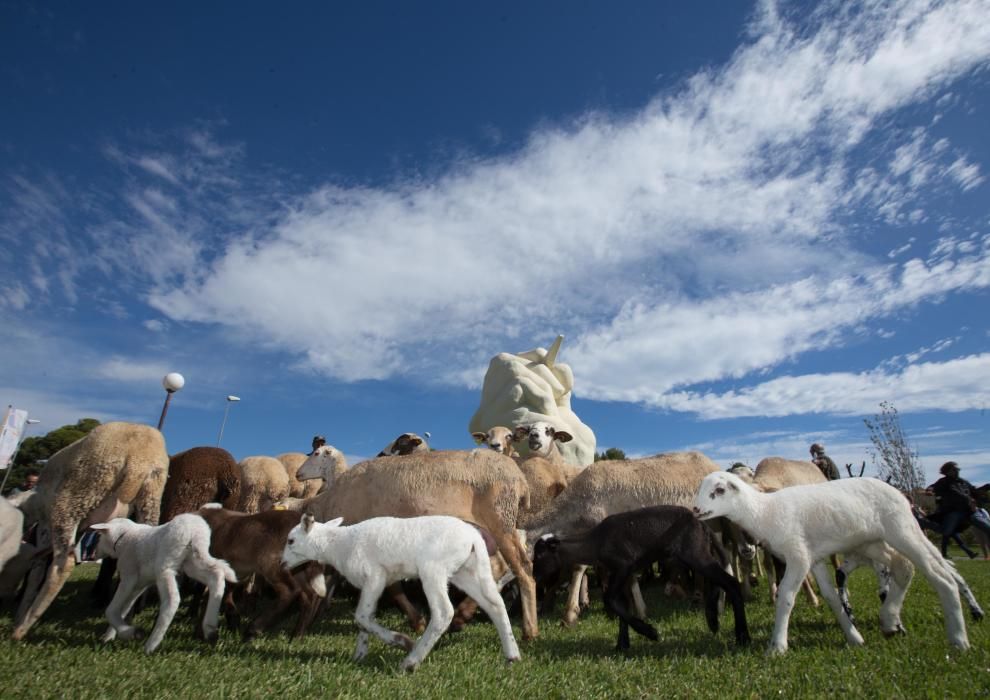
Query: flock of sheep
pixel 475 518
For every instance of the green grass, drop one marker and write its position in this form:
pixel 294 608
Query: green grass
pixel 62 656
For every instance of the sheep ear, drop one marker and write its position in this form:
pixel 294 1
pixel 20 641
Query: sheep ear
pixel 307 521
pixel 520 432
pixel 562 436
pixel 478 438
pixel 335 522
pixel 416 441
pixel 100 526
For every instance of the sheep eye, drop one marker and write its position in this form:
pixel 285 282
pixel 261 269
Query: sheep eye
pixel 291 542
pixel 719 490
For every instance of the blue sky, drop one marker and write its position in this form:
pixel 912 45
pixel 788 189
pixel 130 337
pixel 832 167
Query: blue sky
pixel 752 222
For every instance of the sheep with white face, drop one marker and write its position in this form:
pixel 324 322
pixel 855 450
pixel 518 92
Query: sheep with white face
pixel 374 553
pixel 856 516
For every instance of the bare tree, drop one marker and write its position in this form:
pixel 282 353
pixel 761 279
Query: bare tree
pixel 895 460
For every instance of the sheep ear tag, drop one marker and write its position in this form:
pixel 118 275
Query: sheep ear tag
pixel 335 522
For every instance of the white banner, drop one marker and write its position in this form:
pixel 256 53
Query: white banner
pixel 10 434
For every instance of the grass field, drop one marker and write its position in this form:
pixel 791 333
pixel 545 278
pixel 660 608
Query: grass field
pixel 62 656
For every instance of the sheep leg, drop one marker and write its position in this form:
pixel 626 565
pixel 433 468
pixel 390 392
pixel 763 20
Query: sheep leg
pixel 637 596
pixel 285 593
pixel 441 613
pixel 831 596
pixel 168 594
pixel 974 607
pixel 923 554
pixel 809 591
pixel 615 603
pixel 212 577
pixel 365 618
pixel 485 592
pixel 63 561
pixel 515 556
pixel 400 598
pixel 572 608
pixel 716 577
pixel 127 592
pixel 795 572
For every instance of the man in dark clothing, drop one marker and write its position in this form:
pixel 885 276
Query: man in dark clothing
pixel 824 462
pixel 318 441
pixel 954 497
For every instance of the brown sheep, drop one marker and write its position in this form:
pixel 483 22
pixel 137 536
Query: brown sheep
pixel 198 476
pixel 253 544
pixel 116 468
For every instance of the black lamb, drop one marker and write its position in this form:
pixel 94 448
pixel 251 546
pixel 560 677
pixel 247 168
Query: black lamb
pixel 624 543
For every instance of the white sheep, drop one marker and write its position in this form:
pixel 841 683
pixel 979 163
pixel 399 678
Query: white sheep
pixel 149 555
pixel 542 438
pixel 805 524
pixel 372 554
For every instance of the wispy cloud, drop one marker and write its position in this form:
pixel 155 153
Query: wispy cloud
pixel 694 240
pixel 955 385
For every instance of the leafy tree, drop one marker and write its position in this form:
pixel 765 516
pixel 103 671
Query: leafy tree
pixel 34 451
pixel 896 461
pixel 610 453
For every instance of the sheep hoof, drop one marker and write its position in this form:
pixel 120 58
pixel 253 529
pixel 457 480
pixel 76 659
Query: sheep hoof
pixel 403 641
pixel 130 633
pixel 456 626
pixel 898 629
pixel 977 615
pixel 211 636
pixel 512 659
pixel 408 666
pixel 775 650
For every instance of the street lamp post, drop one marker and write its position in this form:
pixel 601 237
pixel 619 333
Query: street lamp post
pixel 230 400
pixel 173 381
pixel 10 467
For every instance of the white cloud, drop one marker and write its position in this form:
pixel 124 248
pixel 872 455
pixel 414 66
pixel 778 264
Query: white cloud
pixel 701 238
pixel 955 385
pixel 126 370
pixel 735 180
pixel 682 343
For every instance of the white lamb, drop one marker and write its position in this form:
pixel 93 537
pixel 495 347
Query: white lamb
pixel 805 524
pixel 156 555
pixel 436 549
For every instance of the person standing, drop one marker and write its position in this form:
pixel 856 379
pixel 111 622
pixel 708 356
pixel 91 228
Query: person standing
pixel 955 505
pixel 824 462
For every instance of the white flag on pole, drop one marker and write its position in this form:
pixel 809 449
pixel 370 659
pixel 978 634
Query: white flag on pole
pixel 10 434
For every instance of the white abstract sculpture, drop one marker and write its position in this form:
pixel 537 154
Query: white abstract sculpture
pixel 532 386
